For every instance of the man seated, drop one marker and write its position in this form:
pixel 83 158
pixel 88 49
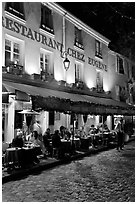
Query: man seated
pixel 46 138
pixel 18 140
pixel 56 143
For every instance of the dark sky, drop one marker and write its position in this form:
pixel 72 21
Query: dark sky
pixel 114 20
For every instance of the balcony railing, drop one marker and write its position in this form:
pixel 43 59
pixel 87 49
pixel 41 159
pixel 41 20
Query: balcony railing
pixel 13 69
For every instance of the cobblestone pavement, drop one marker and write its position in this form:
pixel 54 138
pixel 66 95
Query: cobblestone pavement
pixel 105 177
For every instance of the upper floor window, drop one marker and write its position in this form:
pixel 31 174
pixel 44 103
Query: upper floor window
pixel 12 52
pixel 127 68
pixel 78 38
pixel 78 72
pixel 15 8
pixel 46 19
pixel 120 65
pixel 98 49
pixel 99 81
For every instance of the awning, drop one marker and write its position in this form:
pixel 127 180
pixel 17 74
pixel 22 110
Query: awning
pixel 63 101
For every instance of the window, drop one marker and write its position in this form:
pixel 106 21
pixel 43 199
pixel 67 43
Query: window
pixel 78 38
pixel 99 81
pixel 120 67
pixel 122 94
pixel 4 120
pixel 98 49
pixel 133 72
pixel 45 64
pixel 117 90
pixel 46 19
pixel 78 72
pixel 127 68
pixel 15 8
pixel 12 52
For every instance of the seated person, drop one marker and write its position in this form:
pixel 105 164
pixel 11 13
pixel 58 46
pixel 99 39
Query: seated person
pixel 18 140
pixel 62 130
pixel 46 138
pixel 67 134
pixel 56 143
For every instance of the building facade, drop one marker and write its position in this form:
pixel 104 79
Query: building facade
pixel 36 38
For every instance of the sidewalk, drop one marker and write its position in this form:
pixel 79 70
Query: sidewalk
pixel 50 163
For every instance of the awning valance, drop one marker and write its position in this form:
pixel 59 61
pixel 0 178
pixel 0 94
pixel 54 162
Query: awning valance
pixel 63 101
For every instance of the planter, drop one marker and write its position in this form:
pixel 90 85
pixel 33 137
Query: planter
pixel 4 69
pixel 35 76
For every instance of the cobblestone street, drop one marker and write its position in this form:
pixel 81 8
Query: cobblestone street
pixel 105 177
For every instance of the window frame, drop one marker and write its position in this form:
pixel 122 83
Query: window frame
pixel 12 9
pixel 14 41
pixel 49 71
pixel 98 49
pixel 80 73
pixel 46 12
pixel 98 87
pixel 78 42
pixel 118 69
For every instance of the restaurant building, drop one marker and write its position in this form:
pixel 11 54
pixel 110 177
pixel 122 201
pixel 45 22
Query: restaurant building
pixel 37 40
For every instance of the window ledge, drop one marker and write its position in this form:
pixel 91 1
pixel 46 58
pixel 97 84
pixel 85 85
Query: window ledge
pixel 78 48
pixel 47 33
pixel 99 57
pixel 15 17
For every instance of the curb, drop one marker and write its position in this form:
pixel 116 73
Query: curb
pixel 43 166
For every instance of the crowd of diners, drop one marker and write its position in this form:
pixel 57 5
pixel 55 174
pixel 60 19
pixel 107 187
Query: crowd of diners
pixel 49 142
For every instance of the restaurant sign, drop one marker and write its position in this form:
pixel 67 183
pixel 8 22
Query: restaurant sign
pixel 39 37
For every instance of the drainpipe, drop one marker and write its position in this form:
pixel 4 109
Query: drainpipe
pixel 64 32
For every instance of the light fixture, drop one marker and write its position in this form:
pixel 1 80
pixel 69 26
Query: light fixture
pixel 66 62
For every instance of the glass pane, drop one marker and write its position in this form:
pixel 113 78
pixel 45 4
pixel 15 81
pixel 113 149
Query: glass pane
pixel 16 48
pixel 41 57
pixel 7 45
pixel 46 59
pixel 7 58
pixel 41 66
pixel 16 58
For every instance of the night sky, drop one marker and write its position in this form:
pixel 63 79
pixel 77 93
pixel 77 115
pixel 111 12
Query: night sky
pixel 114 20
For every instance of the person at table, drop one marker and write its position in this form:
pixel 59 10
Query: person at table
pixel 37 142
pixel 37 127
pixel 46 141
pixel 67 134
pixel 62 131
pixel 18 140
pixel 56 143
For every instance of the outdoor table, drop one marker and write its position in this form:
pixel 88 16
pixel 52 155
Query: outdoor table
pixel 12 156
pixel 84 143
pixel 76 142
pixel 66 146
pixel 30 154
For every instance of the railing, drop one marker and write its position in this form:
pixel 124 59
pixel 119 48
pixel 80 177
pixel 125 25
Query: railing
pixel 13 69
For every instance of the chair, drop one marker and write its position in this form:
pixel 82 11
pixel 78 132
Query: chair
pixel 55 152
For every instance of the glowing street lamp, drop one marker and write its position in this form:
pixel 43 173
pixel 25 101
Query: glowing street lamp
pixel 66 62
